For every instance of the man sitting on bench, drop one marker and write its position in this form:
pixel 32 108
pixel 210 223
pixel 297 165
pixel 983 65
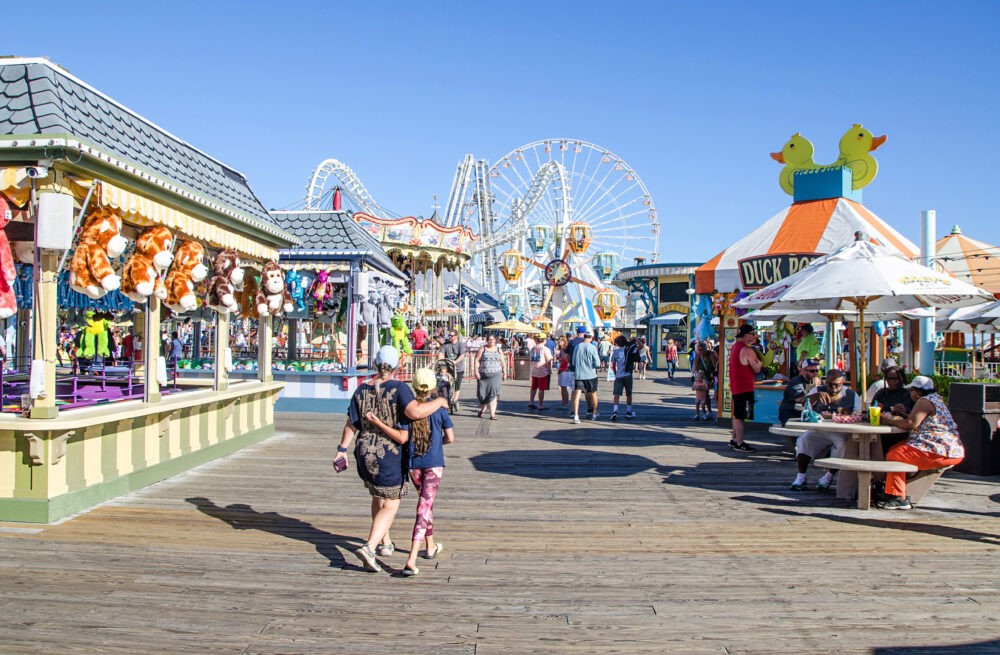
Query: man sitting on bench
pixel 830 398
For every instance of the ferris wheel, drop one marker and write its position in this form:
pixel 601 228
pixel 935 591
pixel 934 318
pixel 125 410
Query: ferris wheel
pixel 557 220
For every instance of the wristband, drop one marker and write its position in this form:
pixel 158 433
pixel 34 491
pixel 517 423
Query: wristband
pixel 341 449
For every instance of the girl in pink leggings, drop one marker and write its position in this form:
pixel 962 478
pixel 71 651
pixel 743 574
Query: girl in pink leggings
pixel 426 451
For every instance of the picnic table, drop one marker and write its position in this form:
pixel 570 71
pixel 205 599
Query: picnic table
pixel 862 456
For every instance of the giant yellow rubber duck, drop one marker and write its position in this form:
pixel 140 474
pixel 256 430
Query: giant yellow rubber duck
pixel 855 145
pixel 796 155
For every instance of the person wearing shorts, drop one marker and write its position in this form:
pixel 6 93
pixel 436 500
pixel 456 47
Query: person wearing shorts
pixel 744 364
pixel 622 366
pixel 541 373
pixel 585 363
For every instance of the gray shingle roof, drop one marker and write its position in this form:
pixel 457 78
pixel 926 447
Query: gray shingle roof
pixel 37 97
pixel 332 231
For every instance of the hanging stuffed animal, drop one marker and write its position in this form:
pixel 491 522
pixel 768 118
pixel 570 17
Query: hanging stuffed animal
pixel 400 334
pixel 272 298
pixel 293 281
pixel 369 311
pixel 247 296
pixel 320 290
pixel 228 276
pixel 386 309
pixel 8 272
pixel 185 272
pixel 94 340
pixel 141 277
pixel 90 271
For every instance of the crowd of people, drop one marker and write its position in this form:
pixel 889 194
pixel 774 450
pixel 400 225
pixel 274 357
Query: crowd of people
pixel 398 433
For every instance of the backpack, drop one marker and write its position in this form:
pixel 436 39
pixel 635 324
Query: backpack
pixel 631 356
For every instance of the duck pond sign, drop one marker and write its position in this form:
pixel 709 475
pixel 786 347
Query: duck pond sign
pixel 764 270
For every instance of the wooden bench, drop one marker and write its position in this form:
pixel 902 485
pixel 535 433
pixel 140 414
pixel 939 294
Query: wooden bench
pixel 791 434
pixel 864 468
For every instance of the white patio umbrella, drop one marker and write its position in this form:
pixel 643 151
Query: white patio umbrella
pixel 865 277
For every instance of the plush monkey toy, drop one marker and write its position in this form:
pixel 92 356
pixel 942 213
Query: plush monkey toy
pixel 227 278
pixel 273 297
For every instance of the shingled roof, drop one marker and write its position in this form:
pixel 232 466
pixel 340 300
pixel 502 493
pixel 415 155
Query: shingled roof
pixel 329 233
pixel 38 97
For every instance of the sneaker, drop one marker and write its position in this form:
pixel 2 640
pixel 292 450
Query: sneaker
pixel 895 502
pixel 742 447
pixel 614 416
pixel 384 550
pixel 595 416
pixel 797 487
pixel 367 558
pixel 576 419
pixel 732 443
pixel 630 414
pixel 532 406
pixel 824 483
pixel 697 417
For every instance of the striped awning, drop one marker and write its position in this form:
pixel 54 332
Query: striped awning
pixel 806 230
pixel 970 260
pixel 143 212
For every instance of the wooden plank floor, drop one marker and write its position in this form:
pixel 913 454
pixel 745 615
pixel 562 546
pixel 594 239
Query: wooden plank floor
pixel 646 536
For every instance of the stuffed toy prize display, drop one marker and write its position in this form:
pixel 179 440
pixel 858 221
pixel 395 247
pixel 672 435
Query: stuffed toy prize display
pixel 227 279
pixel 400 334
pixel 187 270
pixel 142 275
pixel 272 298
pixel 100 241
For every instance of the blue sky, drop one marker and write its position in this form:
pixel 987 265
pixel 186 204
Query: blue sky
pixel 693 95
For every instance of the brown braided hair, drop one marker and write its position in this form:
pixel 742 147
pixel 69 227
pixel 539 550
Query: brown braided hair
pixel 420 430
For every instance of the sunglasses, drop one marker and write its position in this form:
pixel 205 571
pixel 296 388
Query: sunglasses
pixel 893 379
pixel 811 370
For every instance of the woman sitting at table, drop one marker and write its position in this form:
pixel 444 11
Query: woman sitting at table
pixel 893 399
pixel 933 442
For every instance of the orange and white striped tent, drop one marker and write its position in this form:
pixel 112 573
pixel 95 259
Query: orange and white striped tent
pixel 790 240
pixel 970 260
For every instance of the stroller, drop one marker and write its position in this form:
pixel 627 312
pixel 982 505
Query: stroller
pixel 444 370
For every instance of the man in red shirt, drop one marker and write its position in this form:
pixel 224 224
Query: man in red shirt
pixel 419 336
pixel 744 364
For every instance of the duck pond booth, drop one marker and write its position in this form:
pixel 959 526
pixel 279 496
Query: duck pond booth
pixel 112 219
pixel 342 293
pixel 826 213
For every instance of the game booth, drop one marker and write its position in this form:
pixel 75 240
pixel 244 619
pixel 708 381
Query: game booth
pixel 116 223
pixel 826 213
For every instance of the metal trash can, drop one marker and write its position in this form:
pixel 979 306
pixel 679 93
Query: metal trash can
pixel 976 408
pixel 522 367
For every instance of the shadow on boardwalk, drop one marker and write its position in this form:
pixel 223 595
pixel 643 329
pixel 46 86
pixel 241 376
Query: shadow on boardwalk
pixel 977 648
pixel 244 517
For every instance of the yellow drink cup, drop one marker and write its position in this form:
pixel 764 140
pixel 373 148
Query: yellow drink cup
pixel 874 415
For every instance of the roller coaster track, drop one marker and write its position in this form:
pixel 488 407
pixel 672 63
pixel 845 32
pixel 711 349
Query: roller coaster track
pixel 352 187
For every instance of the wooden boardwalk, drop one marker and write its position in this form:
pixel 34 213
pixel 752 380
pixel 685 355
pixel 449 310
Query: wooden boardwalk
pixel 648 536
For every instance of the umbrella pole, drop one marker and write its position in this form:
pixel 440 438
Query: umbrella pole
pixel 863 357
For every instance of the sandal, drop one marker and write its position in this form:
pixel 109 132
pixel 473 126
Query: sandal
pixel 408 572
pixel 493 418
pixel 481 412
pixel 384 550
pixel 437 551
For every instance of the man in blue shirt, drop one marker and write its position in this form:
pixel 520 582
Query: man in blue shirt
pixel 585 362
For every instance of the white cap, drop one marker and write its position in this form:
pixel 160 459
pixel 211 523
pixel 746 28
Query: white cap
pixel 888 363
pixel 387 356
pixel 921 382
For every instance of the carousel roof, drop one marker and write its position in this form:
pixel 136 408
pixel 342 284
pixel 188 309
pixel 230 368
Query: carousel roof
pixel 970 260
pixel 37 97
pixel 326 234
pixel 807 229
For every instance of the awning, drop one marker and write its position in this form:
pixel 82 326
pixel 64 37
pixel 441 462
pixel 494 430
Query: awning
pixel 16 185
pixel 144 212
pixel 486 317
pixel 790 240
pixel 670 318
